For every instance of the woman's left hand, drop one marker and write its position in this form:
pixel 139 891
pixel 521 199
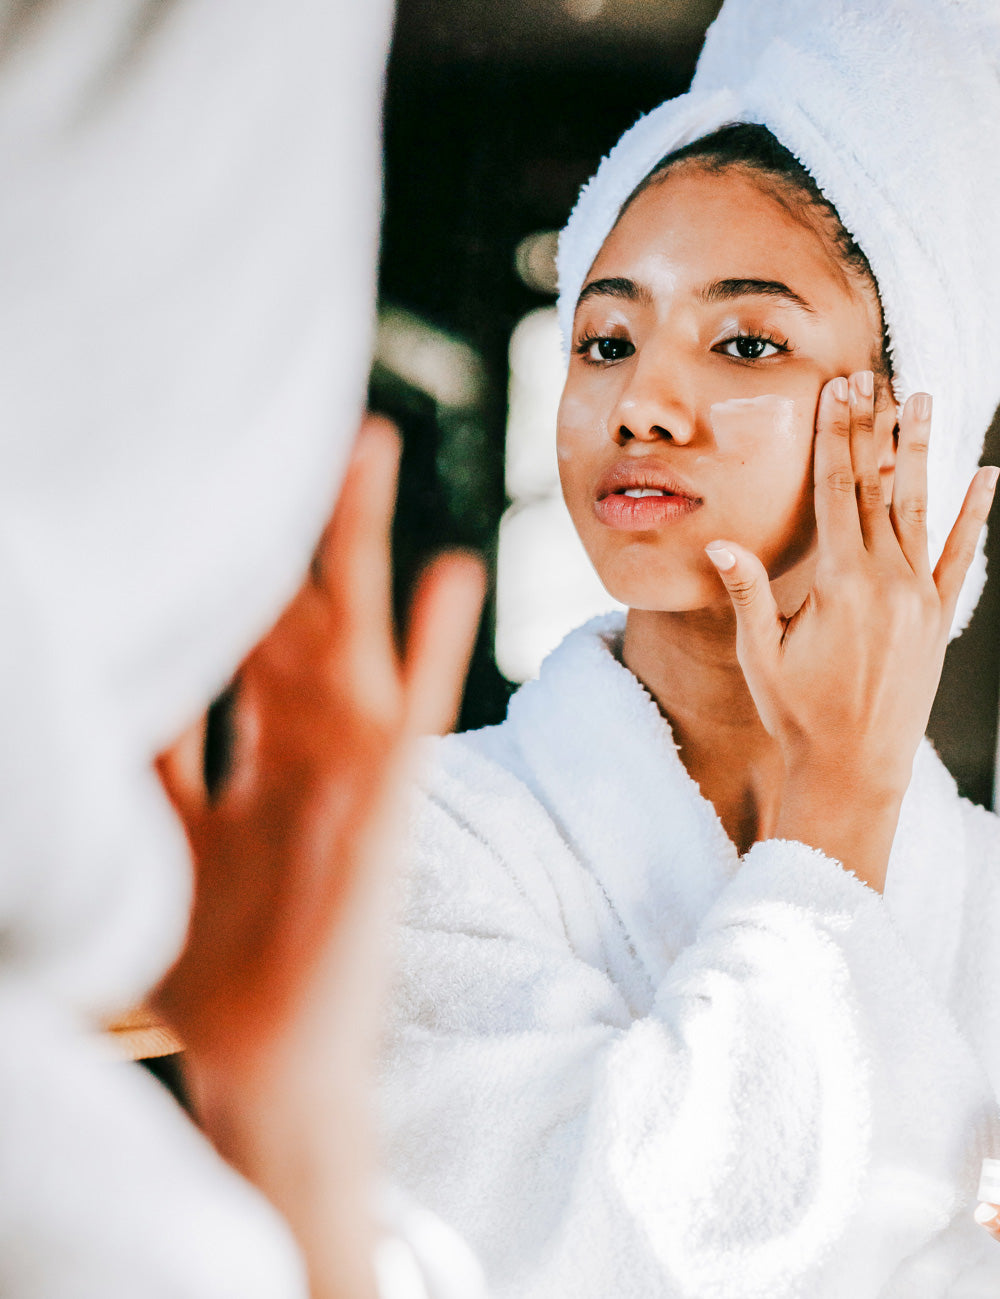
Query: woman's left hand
pixel 829 682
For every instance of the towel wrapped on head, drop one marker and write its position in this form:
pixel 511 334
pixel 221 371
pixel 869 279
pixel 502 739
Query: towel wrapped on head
pixel 894 109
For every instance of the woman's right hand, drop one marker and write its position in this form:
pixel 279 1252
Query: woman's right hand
pixel 845 685
pixel 988 1216
pixel 277 994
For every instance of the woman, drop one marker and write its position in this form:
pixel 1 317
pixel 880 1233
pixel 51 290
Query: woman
pixel 695 990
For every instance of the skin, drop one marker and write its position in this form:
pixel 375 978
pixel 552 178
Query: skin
pixel 751 671
pixel 277 994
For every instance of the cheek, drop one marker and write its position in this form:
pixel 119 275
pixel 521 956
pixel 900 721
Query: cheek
pixel 581 431
pixel 765 443
pixel 768 425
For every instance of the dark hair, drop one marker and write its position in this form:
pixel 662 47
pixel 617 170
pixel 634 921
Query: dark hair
pixel 753 147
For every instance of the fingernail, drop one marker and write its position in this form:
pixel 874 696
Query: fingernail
pixel 839 389
pixel 722 558
pixel 375 430
pixel 866 382
pixel 991 476
pixel 922 405
pixel 985 1214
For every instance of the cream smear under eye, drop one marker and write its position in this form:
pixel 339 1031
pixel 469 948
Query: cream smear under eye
pixel 743 422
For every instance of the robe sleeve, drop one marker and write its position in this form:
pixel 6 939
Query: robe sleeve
pixel 795 1107
pixel 977 975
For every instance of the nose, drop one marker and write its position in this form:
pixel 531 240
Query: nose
pixel 652 406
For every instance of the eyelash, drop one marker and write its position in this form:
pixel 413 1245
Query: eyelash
pixel 586 341
pixel 589 338
pixel 756 336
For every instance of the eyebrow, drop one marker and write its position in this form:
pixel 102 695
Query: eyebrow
pixel 727 290
pixel 717 291
pixel 616 287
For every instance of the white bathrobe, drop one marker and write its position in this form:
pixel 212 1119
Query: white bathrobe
pixel 625 1062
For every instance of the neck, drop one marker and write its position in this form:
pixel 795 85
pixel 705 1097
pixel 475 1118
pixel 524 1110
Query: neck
pixel 688 663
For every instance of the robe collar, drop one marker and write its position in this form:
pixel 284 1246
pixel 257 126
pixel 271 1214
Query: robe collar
pixel 603 759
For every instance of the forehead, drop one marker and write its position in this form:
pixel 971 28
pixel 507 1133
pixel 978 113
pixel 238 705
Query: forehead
pixel 696 225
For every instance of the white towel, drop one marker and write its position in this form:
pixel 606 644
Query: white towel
pixel 188 227
pixel 894 108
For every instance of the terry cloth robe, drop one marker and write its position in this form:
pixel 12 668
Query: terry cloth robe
pixel 628 1064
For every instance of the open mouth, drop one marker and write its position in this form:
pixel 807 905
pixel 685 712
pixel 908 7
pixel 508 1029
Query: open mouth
pixel 636 495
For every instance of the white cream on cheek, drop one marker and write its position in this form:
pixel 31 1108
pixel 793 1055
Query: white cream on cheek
pixel 741 424
pixel 577 425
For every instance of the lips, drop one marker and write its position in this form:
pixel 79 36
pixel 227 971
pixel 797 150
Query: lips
pixel 640 494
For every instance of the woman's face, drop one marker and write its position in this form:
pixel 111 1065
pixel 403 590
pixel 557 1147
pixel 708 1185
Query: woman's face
pixel 707 327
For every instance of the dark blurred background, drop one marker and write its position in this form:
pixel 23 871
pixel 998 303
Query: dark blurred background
pixel 496 113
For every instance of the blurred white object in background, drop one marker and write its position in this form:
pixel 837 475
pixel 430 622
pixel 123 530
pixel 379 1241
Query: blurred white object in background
pixel 438 363
pixel 546 585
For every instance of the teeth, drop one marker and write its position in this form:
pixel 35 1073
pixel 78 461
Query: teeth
pixel 643 491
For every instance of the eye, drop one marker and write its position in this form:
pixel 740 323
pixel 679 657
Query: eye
pixel 602 348
pixel 752 347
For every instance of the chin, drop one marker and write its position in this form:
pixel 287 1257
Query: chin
pixel 664 590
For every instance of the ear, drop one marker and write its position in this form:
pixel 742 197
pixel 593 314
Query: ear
pixel 886 439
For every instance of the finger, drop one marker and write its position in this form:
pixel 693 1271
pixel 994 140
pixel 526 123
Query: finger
pixel 875 527
pixel 908 513
pixel 180 771
pixel 837 522
pixel 988 1216
pixel 442 630
pixel 759 625
pixel 960 548
pixel 354 566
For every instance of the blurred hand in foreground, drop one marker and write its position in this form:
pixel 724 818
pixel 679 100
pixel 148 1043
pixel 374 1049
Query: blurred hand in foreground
pixel 277 993
pixel 988 1216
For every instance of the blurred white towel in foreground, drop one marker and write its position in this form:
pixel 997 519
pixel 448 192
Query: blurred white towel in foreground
pixel 188 227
